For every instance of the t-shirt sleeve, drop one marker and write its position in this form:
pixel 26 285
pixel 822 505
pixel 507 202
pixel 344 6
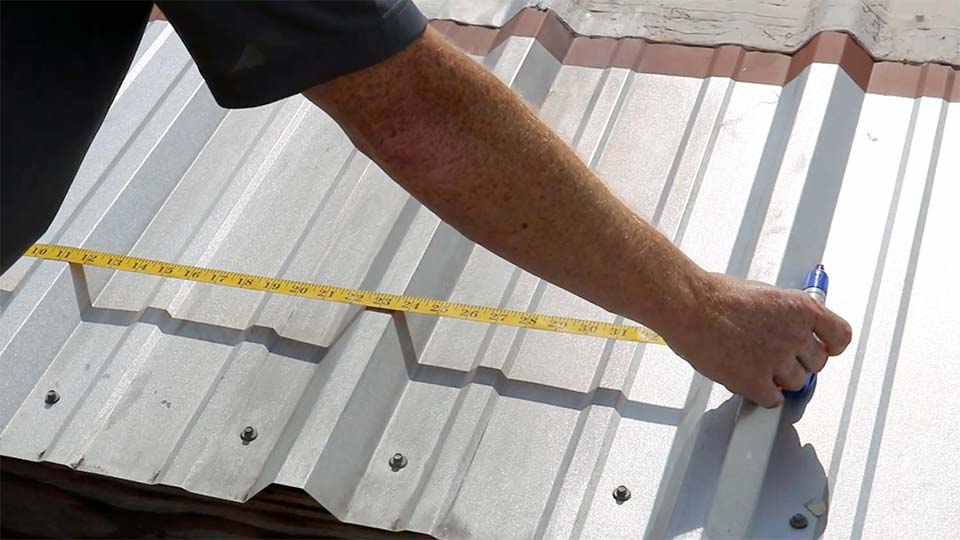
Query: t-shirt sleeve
pixel 252 53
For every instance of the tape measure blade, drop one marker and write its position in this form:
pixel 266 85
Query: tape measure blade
pixel 372 299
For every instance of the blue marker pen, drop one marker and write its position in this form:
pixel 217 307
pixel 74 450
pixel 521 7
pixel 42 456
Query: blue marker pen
pixel 816 287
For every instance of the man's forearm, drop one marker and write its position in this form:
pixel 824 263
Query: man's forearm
pixel 469 148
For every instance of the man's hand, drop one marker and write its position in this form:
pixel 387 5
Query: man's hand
pixel 468 148
pixel 756 339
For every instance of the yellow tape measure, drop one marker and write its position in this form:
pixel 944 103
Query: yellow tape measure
pixel 373 299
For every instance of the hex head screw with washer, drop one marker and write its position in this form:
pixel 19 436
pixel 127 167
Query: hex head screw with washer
pixel 798 521
pixel 51 397
pixel 248 434
pixel 398 461
pixel 621 494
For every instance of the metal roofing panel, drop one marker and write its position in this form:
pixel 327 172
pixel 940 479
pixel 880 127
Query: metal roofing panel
pixel 914 31
pixel 509 433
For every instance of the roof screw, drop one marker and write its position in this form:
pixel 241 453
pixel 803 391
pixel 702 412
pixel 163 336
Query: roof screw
pixel 248 435
pixel 398 461
pixel 621 494
pixel 798 521
pixel 51 397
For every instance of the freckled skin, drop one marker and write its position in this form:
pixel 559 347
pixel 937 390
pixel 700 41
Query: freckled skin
pixel 468 148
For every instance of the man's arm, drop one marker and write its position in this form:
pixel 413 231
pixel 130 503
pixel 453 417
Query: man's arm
pixel 469 149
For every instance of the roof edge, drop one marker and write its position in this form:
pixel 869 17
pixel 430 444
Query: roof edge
pixel 734 61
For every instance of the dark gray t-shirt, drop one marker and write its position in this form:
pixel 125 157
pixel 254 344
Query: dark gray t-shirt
pixel 252 53
pixel 62 64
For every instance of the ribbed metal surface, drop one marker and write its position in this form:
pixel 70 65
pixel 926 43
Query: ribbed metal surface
pixel 508 433
pixel 914 31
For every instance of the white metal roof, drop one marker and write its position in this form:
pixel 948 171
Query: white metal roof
pixel 912 31
pixel 508 433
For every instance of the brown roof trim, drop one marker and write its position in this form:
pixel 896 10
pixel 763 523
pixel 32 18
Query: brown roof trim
pixel 638 54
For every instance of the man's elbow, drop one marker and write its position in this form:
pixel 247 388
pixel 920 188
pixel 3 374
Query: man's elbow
pixel 393 141
pixel 411 112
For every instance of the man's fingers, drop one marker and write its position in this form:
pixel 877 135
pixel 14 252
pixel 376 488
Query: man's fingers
pixel 814 356
pixel 792 376
pixel 833 331
pixel 767 395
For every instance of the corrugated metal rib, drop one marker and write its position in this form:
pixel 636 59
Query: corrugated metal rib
pixel 738 63
pixel 508 433
pixel 915 32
